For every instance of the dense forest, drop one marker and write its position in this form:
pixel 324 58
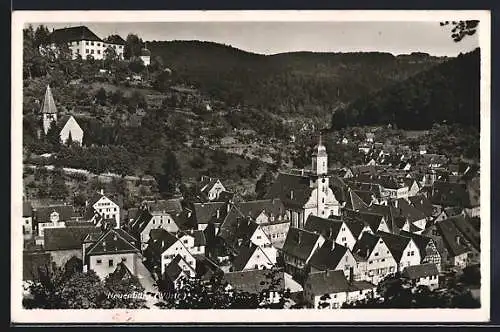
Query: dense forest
pixel 447 93
pixel 300 83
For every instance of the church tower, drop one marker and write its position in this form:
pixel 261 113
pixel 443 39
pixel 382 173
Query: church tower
pixel 320 159
pixel 320 171
pixel 49 112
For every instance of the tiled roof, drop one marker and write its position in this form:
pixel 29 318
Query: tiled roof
pixel 253 209
pixel 164 205
pixel 113 241
pixel 423 204
pixel 115 39
pixel 365 245
pixel 327 227
pixel 421 241
pixel 328 256
pixel 410 212
pixel 173 270
pixel 236 226
pixel 203 213
pixel 300 243
pixel 470 233
pixel 159 241
pixel 42 214
pixel 255 281
pixel 205 268
pixel 244 254
pixel 73 34
pixel 327 282
pixel 140 223
pixel 454 194
pixel 373 220
pixel 67 238
pixel 293 190
pixel 121 272
pixel 420 271
pixel 395 243
pixel 366 196
pixel 355 227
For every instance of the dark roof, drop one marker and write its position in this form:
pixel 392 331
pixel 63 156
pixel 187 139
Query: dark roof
pixel 454 194
pixel 300 243
pixel 255 281
pixel 121 272
pixel 205 268
pixel 164 205
pixel 467 229
pixel 356 285
pixel 327 282
pixel 67 238
pixel 293 190
pixel 449 233
pixel 354 202
pixel 27 209
pixel 327 227
pixel 365 245
pixel 373 220
pixel 145 52
pixel 115 39
pixel 203 213
pixel 356 227
pixel 173 270
pixel 140 223
pixel 365 195
pixel 33 262
pixel 111 242
pixel 225 196
pixel 207 183
pixel 159 241
pixel 236 226
pixel 73 34
pixel 395 243
pixel 245 252
pixel 328 256
pixel 423 204
pixel 42 214
pixel 410 212
pixel 421 241
pixel 420 271
pixel 79 223
pixel 271 207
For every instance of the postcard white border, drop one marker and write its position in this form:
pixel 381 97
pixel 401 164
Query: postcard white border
pixel 20 315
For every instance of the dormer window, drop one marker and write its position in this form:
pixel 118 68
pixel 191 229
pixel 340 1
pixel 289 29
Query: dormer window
pixel 54 217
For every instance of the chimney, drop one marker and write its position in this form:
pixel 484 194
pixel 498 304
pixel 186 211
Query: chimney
pixel 457 239
pixel 102 191
pixel 291 194
pixel 218 213
pixel 333 245
pixel 302 172
pixel 300 237
pixel 240 242
pixel 351 274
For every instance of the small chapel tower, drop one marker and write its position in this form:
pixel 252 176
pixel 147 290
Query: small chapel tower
pixel 49 112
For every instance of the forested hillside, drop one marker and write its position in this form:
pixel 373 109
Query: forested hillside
pixel 447 93
pixel 300 83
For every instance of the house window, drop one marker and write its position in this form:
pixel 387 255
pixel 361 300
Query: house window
pixel 91 51
pixel 382 260
pixel 124 259
pixel 256 266
pixel 376 254
pixel 110 263
pixel 87 51
pixel 115 210
pixel 185 241
pixel 98 261
pixel 86 43
pixel 98 44
pixel 369 262
pixel 98 51
pixel 258 237
pixel 334 296
pixel 92 43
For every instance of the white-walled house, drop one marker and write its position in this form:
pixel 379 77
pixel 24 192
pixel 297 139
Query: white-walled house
pixel 27 220
pixel 103 205
pixel 193 240
pixel 299 247
pixel 53 216
pixel 380 261
pixel 333 229
pixel 252 257
pixel 332 256
pixel 423 275
pixel 112 248
pixel 83 42
pixel 403 249
pixel 146 221
pixel 211 188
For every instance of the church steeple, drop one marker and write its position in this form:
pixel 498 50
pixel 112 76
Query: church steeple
pixel 49 111
pixel 320 158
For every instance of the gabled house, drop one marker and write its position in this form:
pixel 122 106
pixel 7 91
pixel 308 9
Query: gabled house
pixel 175 273
pixel 257 282
pixel 162 248
pixel 374 258
pixel 193 240
pixel 141 227
pixel 421 203
pixel 113 247
pixel 403 249
pixel 252 257
pixel 422 275
pixel 299 247
pixel 445 194
pixel 211 188
pixel 53 216
pixel 70 130
pixel 412 215
pixel 331 289
pixel 336 230
pixel 332 256
pixel 376 221
pixel 210 212
pixel 103 205
pixel 427 247
pixel 64 243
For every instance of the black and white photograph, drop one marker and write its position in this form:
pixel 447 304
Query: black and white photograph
pixel 311 162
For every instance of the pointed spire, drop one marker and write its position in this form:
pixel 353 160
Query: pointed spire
pixel 49 106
